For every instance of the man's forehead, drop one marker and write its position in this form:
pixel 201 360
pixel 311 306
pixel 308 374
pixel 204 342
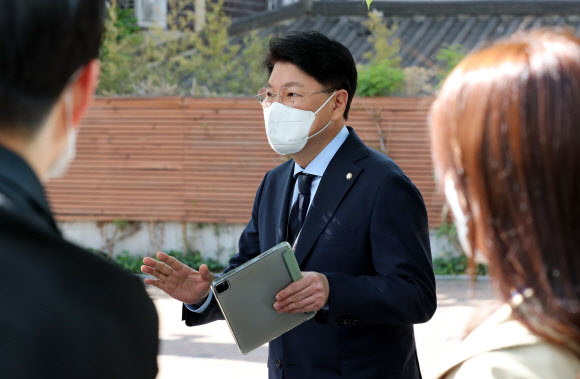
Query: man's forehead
pixel 286 74
pixel 293 83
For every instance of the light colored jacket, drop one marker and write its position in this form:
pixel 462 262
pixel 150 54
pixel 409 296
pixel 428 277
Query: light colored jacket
pixel 503 348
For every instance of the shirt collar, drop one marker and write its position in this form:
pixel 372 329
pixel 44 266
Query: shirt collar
pixel 322 160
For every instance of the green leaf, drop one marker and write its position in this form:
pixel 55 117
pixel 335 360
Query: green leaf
pixel 369 4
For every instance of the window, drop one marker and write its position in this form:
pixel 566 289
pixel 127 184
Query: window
pixel 151 13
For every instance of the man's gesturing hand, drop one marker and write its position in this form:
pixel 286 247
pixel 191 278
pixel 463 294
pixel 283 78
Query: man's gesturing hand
pixel 179 281
pixel 305 295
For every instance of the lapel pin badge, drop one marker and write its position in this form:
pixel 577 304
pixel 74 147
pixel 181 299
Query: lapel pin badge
pixel 349 176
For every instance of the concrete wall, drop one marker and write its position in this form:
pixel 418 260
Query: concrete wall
pixel 441 247
pixel 218 241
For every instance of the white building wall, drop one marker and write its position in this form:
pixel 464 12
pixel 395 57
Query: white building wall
pixel 217 241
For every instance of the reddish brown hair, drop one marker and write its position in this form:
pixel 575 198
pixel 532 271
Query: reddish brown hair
pixel 506 128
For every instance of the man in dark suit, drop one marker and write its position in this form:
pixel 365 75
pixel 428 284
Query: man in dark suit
pixel 357 223
pixel 66 313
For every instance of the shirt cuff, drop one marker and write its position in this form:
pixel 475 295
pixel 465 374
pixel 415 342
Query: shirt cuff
pixel 200 309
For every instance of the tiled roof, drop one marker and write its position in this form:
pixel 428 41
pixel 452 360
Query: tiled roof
pixel 202 160
pixel 240 8
pixel 424 27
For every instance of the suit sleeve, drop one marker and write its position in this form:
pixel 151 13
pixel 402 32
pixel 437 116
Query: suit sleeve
pixel 248 248
pixel 403 289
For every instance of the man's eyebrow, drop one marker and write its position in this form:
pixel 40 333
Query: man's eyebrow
pixel 288 84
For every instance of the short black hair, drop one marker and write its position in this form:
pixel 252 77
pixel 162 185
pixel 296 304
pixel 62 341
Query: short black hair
pixel 326 60
pixel 42 44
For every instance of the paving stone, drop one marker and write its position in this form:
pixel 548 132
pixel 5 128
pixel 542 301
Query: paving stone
pixel 210 349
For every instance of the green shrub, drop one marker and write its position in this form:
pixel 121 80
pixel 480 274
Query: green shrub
pixel 133 263
pixel 129 262
pixel 455 266
pixel 450 55
pixel 194 260
pixel 383 75
pixel 380 80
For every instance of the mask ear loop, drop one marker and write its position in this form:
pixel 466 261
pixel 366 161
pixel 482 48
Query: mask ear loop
pixel 60 166
pixel 326 102
pixel 69 98
pixel 69 105
pixel 315 113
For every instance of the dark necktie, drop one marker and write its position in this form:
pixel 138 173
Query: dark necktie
pixel 300 207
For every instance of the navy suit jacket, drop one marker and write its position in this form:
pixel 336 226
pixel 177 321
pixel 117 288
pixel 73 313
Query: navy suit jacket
pixel 369 236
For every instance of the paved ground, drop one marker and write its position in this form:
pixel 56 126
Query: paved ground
pixel 210 349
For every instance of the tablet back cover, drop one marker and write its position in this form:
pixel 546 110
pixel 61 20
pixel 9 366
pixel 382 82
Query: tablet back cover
pixel 248 302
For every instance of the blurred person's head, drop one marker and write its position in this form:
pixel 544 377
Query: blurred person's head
pixel 48 74
pixel 506 147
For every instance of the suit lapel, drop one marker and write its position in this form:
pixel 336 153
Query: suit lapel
pixel 287 183
pixel 339 177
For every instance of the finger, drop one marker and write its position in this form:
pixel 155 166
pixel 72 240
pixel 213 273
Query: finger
pixel 171 261
pixel 309 307
pixel 294 287
pixel 147 270
pixel 205 273
pixel 151 271
pixel 305 293
pixel 298 306
pixel 159 266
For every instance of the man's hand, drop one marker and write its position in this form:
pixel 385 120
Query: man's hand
pixel 179 281
pixel 305 295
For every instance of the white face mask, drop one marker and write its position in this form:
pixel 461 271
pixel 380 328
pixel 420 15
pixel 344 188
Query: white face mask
pixel 63 162
pixel 288 128
pixel 460 219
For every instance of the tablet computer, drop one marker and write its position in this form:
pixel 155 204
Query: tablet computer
pixel 246 296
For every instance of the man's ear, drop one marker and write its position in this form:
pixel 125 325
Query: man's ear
pixel 84 89
pixel 341 99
